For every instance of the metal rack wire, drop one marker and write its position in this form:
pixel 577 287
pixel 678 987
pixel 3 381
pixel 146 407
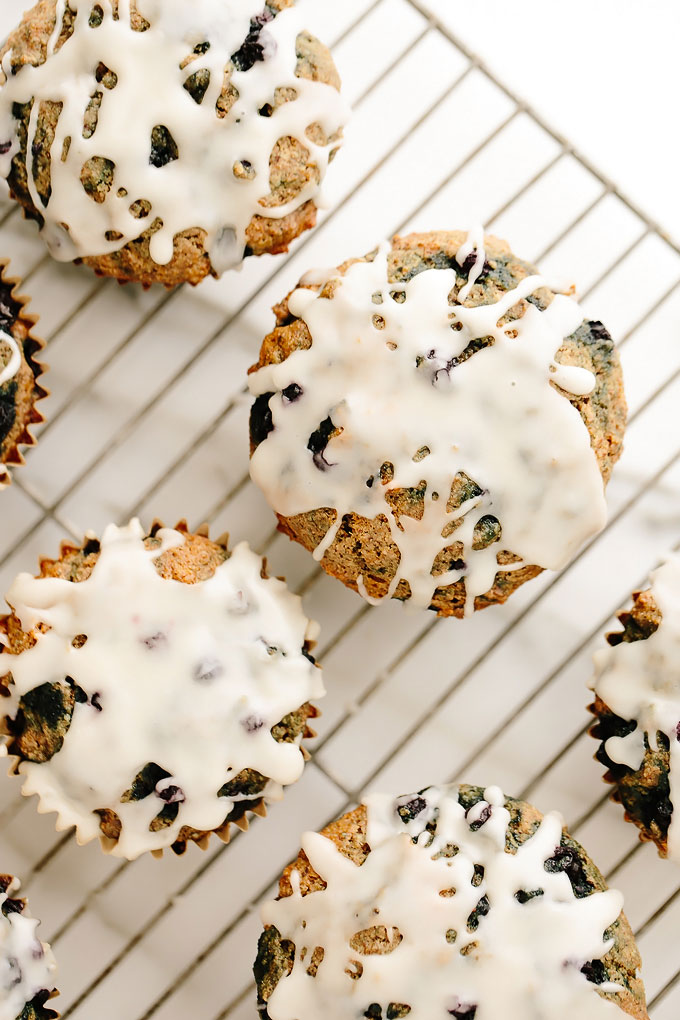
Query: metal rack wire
pixel 148 416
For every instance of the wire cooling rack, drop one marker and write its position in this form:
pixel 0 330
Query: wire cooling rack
pixel 148 416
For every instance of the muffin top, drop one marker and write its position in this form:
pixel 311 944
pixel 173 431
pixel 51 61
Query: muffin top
pixel 160 693
pixel 162 115
pixel 397 392
pixel 638 679
pixel 457 904
pixel 27 966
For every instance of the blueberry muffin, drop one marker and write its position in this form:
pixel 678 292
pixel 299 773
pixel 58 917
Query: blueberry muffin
pixel 27 966
pixel 20 371
pixel 167 140
pixel 454 901
pixel 157 687
pixel 637 705
pixel 435 423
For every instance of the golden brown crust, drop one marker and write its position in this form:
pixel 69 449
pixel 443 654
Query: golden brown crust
pixel 348 833
pixel 289 166
pixel 194 561
pixel 364 548
pixel 26 387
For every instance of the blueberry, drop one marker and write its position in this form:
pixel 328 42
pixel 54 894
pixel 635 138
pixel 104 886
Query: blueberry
pixel 469 264
pixel 163 147
pixel 261 423
pixel 481 910
pixel 252 49
pixel 292 393
pixel 484 816
pixel 15 976
pixel 410 807
pixel 318 441
pixel 170 794
pixel 567 860
pixel 207 670
pixel 154 640
pixel 595 971
pixel 12 907
pixel 522 896
pixel 252 723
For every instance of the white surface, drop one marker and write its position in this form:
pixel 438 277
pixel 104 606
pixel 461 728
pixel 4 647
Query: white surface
pixel 147 414
pixel 603 74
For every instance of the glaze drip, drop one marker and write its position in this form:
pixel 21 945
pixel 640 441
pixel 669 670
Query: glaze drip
pixel 444 394
pixel 640 681
pixel 163 118
pixel 476 931
pixel 164 685
pixel 27 966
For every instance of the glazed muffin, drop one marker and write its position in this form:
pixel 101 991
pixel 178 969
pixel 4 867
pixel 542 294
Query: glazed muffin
pixel 157 687
pixel 165 140
pixel 454 901
pixel 435 423
pixel 20 371
pixel 27 966
pixel 637 704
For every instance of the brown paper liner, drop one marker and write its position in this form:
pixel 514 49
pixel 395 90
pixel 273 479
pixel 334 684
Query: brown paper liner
pixel 29 391
pixel 213 550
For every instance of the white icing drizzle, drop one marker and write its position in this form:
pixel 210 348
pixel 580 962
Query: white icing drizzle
pixel 200 187
pixel 190 677
pixel 640 680
pixel 7 373
pixel 384 367
pixel 474 242
pixel 522 959
pixel 27 965
pixel 13 365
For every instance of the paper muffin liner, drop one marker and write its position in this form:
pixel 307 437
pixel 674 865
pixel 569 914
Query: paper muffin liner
pixel 255 806
pixel 9 885
pixel 31 347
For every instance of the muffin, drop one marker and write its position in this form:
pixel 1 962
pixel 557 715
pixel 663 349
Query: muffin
pixel 20 371
pixel 157 687
pixel 27 966
pixel 637 705
pixel 435 423
pixel 454 901
pixel 164 140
